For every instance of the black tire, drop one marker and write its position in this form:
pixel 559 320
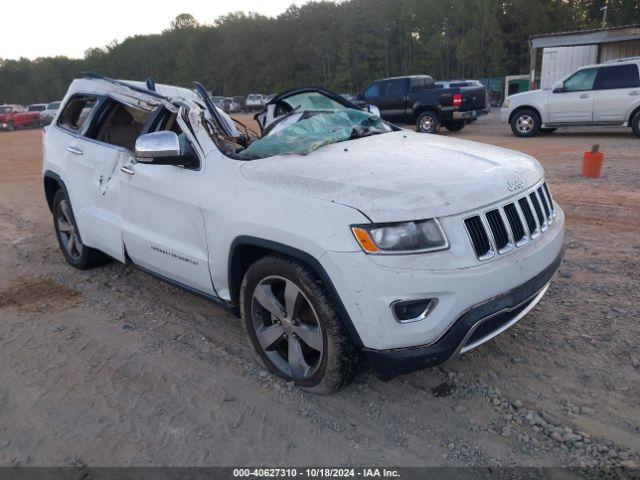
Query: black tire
pixel 336 365
pixel 454 127
pixel 635 124
pixel 427 122
pixel 10 127
pixel 525 123
pixel 80 257
pixel 547 130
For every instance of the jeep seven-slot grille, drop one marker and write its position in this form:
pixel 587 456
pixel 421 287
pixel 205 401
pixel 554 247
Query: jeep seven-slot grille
pixel 517 228
pixel 512 224
pixel 478 235
pixel 498 229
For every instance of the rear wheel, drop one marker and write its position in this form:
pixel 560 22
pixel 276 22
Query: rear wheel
pixel 454 127
pixel 427 122
pixel 525 123
pixel 635 124
pixel 294 325
pixel 75 252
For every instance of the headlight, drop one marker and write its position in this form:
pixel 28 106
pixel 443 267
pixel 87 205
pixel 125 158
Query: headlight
pixel 506 103
pixel 406 237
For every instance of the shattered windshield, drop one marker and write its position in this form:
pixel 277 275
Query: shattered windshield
pixel 314 130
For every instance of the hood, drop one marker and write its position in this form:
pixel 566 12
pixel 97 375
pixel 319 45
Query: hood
pixel 528 94
pixel 401 175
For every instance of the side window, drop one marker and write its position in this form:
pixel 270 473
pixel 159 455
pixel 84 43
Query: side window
pixel 619 76
pixel 165 121
pixel 118 124
pixel 76 111
pixel 581 80
pixel 394 88
pixel 372 92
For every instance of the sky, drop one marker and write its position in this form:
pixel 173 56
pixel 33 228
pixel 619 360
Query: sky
pixel 69 27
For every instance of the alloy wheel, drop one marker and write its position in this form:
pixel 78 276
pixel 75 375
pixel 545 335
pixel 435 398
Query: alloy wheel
pixel 525 123
pixel 68 231
pixel 287 327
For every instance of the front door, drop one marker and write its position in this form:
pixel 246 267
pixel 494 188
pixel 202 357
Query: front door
pixel 392 101
pixel 163 227
pixel 574 102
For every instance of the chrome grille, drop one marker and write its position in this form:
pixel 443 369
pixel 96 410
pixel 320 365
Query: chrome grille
pixel 511 225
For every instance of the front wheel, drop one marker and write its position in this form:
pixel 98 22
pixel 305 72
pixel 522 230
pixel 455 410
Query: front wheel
pixel 294 325
pixel 525 123
pixel 427 122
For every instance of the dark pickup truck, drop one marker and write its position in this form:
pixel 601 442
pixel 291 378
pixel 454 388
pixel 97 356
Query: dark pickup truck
pixel 416 100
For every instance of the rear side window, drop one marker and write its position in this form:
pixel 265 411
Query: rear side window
pixel 619 76
pixel 76 112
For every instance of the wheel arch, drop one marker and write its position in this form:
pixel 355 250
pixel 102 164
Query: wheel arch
pixel 420 109
pixel 525 107
pixel 53 183
pixel 633 114
pixel 246 250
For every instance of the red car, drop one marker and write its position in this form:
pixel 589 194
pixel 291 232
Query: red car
pixel 12 116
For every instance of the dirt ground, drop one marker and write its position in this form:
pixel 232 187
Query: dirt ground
pixel 113 367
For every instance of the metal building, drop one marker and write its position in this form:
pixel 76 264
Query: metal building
pixel 560 54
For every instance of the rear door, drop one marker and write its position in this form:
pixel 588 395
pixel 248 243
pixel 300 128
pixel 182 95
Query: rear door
pixel 163 227
pixel 91 175
pixel 616 88
pixel 574 102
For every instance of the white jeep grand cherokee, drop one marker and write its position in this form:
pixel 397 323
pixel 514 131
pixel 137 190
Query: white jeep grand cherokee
pixel 596 95
pixel 334 234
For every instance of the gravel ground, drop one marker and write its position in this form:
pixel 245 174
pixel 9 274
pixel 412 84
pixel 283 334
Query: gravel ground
pixel 113 367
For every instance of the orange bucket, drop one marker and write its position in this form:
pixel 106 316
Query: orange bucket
pixel 592 164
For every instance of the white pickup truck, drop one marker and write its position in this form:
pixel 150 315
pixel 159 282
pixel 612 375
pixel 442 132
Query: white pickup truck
pixel 596 95
pixel 334 235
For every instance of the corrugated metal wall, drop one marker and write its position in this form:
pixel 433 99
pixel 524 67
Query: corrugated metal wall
pixel 559 62
pixel 612 51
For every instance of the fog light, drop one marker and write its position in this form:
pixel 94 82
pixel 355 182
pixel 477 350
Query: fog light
pixel 406 311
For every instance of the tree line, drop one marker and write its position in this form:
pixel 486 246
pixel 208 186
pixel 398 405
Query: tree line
pixel 342 46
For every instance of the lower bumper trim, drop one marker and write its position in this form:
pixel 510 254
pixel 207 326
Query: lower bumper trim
pixel 459 338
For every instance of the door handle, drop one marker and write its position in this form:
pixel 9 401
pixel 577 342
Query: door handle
pixel 75 150
pixel 634 93
pixel 584 95
pixel 128 170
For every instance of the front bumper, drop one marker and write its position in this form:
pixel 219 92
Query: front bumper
pixel 477 325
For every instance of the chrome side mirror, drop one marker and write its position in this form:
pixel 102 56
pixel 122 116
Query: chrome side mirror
pixel 372 109
pixel 157 145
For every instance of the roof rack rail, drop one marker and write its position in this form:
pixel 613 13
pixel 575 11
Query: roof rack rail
pixel 620 60
pixel 97 76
